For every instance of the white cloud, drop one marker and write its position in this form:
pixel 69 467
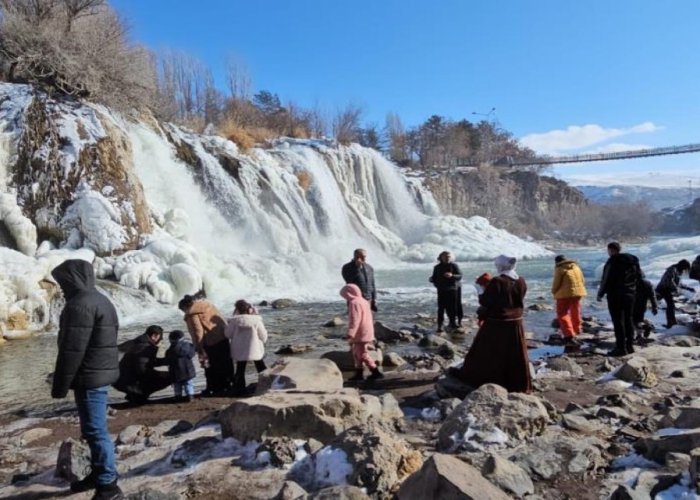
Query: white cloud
pixel 576 137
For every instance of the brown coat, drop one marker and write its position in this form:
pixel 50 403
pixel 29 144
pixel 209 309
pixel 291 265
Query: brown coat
pixel 205 324
pixel 498 354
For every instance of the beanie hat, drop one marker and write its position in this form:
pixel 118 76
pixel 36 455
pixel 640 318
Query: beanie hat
pixel 176 335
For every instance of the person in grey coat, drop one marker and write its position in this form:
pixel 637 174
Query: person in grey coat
pixel 360 273
pixel 87 363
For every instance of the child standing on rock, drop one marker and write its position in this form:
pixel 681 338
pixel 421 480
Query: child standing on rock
pixel 248 336
pixel 182 372
pixel 360 331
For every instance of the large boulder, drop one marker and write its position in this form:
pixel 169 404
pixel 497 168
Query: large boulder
pixel 448 478
pixel 490 415
pixel 302 414
pixel 554 453
pixel 388 335
pixel 370 457
pixel 301 374
pixel 345 361
pixel 507 475
pixel 73 462
pixel 656 447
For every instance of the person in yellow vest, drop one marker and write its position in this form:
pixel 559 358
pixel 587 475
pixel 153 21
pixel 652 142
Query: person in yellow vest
pixel 568 287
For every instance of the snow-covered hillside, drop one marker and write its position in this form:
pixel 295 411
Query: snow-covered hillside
pixel 657 197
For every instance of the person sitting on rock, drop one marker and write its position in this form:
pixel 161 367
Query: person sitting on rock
pixel 247 335
pixel 644 295
pixel 180 366
pixel 670 285
pixel 360 332
pixel 138 377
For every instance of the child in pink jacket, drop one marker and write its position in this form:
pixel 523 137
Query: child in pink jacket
pixel 360 331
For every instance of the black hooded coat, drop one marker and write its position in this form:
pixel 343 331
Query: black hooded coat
pixel 87 337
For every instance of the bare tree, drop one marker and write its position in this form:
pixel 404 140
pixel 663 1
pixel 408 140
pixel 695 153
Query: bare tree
pixel 346 124
pixel 238 78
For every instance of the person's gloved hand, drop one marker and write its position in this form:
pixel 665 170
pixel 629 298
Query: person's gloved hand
pixel 373 306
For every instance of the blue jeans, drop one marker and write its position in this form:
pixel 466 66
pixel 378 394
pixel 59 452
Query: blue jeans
pixel 92 411
pixel 187 385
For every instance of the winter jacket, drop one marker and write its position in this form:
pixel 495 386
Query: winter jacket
pixel 141 358
pixel 205 324
pixel 568 280
pixel 248 335
pixel 670 281
pixel 87 336
pixel 644 295
pixel 360 322
pixel 503 299
pixel 620 276
pixel 695 269
pixel 440 282
pixel 179 358
pixel 362 276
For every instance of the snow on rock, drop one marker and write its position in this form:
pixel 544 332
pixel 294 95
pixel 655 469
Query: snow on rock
pixel 20 227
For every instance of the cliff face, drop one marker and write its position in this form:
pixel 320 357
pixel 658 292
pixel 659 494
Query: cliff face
pixel 520 201
pixel 685 220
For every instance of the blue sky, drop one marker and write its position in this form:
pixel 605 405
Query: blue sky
pixel 563 76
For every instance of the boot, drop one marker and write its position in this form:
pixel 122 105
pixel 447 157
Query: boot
pixel 376 374
pixel 439 328
pixel 88 483
pixel 358 377
pixel 108 492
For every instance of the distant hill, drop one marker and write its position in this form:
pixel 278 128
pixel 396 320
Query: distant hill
pixel 658 198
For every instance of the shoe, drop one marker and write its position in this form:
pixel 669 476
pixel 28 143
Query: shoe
pixel 571 341
pixel 630 349
pixel 358 377
pixel 376 374
pixel 108 492
pixel 187 399
pixel 88 483
pixel 617 352
pixel 439 329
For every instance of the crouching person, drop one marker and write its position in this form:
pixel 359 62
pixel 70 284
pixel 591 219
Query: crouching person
pixel 360 331
pixel 138 378
pixel 180 366
pixel 248 335
pixel 87 362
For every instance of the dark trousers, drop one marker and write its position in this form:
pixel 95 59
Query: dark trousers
pixel 239 384
pixel 220 369
pixel 92 412
pixel 447 302
pixel 621 314
pixel 150 382
pixel 460 309
pixel 670 307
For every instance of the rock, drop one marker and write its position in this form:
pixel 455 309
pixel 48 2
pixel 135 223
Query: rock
pixel 393 359
pixel 432 341
pixel 151 494
pixel 638 371
pixel 291 491
pixel 191 451
pixel 294 349
pixel 606 366
pixel 657 447
pixel 264 303
pixel 73 462
pixel 507 475
pixel 282 303
pixel 553 454
pixel 680 341
pixel 540 307
pixel 169 428
pixel 446 477
pixel 625 492
pixel 682 417
pixel 677 462
pixel 491 409
pixel 281 450
pixel 679 374
pixel 298 414
pixel 694 469
pixel 451 387
pixel 300 374
pixel 17 320
pixel 377 459
pixel 132 434
pixel 345 361
pixel 581 424
pixel 35 434
pixel 385 334
pixel 340 493
pixel 614 412
pixel 446 351
pixel 565 364
pixel 337 321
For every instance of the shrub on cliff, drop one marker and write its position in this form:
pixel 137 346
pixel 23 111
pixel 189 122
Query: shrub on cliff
pixel 74 47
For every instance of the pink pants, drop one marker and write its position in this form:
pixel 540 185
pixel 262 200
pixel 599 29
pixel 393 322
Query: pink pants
pixel 361 355
pixel 569 314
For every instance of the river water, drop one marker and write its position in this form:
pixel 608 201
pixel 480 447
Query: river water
pixel 403 293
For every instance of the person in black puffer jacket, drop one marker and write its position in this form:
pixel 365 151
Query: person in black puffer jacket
pixel 180 366
pixel 447 278
pixel 87 362
pixel 138 377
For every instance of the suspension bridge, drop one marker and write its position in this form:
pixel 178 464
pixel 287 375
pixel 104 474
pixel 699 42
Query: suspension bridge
pixel 582 158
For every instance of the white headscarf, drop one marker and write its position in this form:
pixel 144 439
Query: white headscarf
pixel 506 266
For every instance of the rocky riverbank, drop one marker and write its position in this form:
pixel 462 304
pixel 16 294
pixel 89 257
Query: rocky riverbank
pixel 595 427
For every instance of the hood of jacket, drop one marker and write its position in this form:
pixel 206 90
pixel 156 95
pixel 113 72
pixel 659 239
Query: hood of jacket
pixel 74 276
pixel 625 258
pixel 248 320
pixel 566 264
pixel 351 292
